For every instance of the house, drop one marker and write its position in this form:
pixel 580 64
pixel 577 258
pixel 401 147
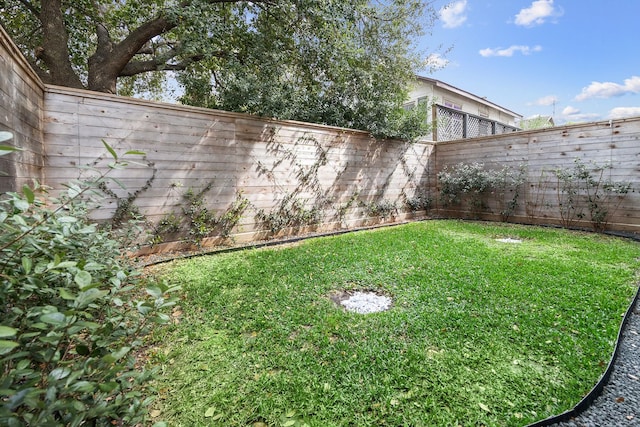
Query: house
pixel 458 114
pixel 537 122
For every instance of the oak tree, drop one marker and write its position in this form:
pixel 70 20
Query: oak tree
pixel 344 63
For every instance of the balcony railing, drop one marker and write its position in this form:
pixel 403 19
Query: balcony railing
pixel 453 124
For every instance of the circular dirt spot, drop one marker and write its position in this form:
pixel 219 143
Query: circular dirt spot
pixel 362 302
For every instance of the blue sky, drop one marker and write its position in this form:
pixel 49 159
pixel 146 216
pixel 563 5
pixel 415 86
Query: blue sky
pixel 578 60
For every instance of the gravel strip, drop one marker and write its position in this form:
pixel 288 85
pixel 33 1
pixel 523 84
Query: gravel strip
pixel 619 403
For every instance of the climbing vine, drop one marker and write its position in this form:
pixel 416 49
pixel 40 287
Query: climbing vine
pixel 290 213
pixel 473 185
pixel 198 221
pixel 126 209
pixel 303 206
pixel 585 192
pixel 383 208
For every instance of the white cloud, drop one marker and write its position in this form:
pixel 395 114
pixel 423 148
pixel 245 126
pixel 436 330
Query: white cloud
pixel 435 61
pixel 545 101
pixel 609 89
pixel 453 15
pixel 525 50
pixel 622 112
pixel 537 13
pixel 570 111
pixel 572 114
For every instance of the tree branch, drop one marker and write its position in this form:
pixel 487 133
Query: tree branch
pixel 113 60
pixel 104 38
pixel 138 67
pixel 34 10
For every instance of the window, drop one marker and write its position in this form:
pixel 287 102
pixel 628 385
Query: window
pixel 450 104
pixel 409 106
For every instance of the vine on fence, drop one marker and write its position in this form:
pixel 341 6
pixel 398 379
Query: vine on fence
pixel 344 208
pixel 126 208
pixel 584 192
pixel 464 182
pixel 232 216
pixel 290 213
pixel 537 200
pixel 383 208
pixel 507 185
pixel 198 221
pixel 420 201
pixel 292 210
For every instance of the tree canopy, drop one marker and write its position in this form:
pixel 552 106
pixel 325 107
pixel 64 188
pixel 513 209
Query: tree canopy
pixel 342 63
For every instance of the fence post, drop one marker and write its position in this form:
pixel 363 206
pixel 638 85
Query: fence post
pixel 465 121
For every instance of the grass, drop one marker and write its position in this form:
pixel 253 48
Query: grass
pixel 480 333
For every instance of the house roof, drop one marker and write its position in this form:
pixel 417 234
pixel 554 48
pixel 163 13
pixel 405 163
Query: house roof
pixel 466 94
pixel 536 121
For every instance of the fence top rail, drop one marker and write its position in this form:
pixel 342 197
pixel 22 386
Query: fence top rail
pixel 20 60
pixel 53 89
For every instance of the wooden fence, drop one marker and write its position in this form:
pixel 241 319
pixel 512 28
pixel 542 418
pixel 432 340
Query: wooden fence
pixel 257 177
pixel 608 151
pixel 261 178
pixel 21 102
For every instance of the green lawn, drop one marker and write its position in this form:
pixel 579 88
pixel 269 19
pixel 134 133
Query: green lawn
pixel 480 332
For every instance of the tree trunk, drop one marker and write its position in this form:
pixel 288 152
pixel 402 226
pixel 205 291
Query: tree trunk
pixel 109 60
pixel 103 74
pixel 55 50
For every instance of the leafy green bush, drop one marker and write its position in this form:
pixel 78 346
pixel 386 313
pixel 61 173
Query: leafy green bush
pixel 473 184
pixel 291 213
pixel 419 202
pixel 382 208
pixel 72 316
pixel 465 181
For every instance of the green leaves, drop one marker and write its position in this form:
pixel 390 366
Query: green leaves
pixel 6 331
pixel 110 150
pixel 28 193
pixel 6 149
pixel 5 136
pixel 85 298
pixel 69 309
pixel 346 64
pixel 82 279
pixel 55 319
pixel 7 346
